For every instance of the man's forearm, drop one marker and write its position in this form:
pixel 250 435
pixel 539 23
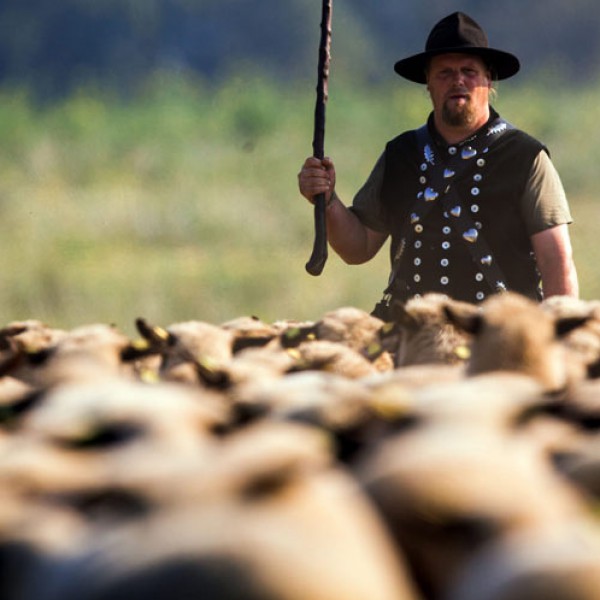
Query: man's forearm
pixel 350 239
pixel 554 256
pixel 561 281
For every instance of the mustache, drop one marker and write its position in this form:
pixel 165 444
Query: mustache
pixel 458 92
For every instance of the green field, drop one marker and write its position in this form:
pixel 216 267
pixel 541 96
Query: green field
pixel 181 203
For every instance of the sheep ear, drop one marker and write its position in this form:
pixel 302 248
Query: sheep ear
pixel 464 317
pixel 294 336
pixel 565 325
pixel 212 375
pixel 155 335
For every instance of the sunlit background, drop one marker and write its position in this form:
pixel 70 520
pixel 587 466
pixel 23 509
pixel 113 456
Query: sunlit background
pixel 149 148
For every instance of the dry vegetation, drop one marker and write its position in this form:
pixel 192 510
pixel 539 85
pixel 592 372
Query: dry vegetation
pixel 182 202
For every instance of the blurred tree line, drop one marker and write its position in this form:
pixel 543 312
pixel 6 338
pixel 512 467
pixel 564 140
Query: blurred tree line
pixel 54 46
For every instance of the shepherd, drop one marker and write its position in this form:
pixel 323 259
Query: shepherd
pixel 472 204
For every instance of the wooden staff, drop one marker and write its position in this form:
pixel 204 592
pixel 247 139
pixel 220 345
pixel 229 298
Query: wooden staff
pixel 319 254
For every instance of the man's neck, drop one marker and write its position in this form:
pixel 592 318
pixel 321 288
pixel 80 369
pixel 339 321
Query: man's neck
pixel 456 134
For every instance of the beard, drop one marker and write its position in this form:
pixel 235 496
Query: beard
pixel 458 116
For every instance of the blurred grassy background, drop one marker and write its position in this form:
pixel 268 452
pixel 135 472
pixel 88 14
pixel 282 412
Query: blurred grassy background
pixel 182 203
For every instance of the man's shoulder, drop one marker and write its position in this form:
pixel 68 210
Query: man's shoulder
pixel 519 145
pixel 518 136
pixel 406 140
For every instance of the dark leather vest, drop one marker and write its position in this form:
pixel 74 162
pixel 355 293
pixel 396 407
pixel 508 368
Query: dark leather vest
pixel 434 256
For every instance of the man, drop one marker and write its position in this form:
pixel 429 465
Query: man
pixel 473 205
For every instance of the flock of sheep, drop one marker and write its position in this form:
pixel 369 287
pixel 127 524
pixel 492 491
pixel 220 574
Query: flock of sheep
pixel 452 453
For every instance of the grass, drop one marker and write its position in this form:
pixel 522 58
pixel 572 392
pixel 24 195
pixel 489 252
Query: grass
pixel 182 203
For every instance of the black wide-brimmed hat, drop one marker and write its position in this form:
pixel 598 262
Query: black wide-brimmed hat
pixel 458 33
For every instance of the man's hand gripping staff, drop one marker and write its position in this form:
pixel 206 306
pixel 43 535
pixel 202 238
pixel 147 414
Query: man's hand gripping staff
pixel 319 253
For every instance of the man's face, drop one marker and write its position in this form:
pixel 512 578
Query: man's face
pixel 459 86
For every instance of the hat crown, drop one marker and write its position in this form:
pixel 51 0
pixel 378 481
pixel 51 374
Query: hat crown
pixel 456 31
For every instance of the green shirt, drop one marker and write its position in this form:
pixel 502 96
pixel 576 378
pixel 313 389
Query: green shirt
pixel 543 203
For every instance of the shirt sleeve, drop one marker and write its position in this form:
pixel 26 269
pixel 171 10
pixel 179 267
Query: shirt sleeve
pixel 367 205
pixel 544 202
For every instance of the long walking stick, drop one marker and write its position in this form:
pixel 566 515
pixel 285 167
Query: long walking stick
pixel 319 254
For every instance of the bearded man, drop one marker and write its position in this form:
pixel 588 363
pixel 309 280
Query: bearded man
pixel 473 205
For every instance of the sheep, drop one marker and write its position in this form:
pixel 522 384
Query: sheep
pixel 273 362
pixel 445 497
pixel 83 434
pixel 344 409
pixel 419 332
pixel 42 357
pixel 584 341
pixel 413 377
pixel 297 455
pixel 560 563
pixel 464 473
pixel 512 332
pixel 350 326
pixel 580 461
pixel 33 536
pixel 190 352
pixel 500 401
pixel 347 327
pixel 89 456
pixel 186 355
pixel 268 517
pixel 431 393
pixel 334 357
pixel 297 391
pixel 569 306
pixel 31 335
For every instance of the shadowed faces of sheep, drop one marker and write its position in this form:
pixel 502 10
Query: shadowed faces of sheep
pixel 270 507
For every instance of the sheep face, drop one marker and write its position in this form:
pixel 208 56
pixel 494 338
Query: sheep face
pixel 423 334
pixel 512 333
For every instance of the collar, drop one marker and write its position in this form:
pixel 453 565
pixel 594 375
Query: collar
pixel 443 144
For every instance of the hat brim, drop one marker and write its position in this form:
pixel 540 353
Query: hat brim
pixel 503 64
